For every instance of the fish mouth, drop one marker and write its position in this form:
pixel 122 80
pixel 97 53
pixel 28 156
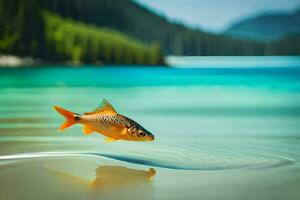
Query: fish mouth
pixel 151 138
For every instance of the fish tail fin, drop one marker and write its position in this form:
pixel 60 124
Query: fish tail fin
pixel 70 118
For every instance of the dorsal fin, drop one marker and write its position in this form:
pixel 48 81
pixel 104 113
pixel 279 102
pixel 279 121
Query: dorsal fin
pixel 104 108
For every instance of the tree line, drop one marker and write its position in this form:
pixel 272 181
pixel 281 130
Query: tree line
pixel 115 32
pixel 30 30
pixel 139 22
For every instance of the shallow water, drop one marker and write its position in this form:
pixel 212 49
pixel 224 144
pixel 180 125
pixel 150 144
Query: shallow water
pixel 221 133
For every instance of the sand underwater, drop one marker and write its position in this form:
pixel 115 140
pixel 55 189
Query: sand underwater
pixel 220 134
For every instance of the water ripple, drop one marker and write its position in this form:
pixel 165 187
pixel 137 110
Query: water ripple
pixel 206 161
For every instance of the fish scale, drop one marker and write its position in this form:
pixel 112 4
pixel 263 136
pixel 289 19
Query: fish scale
pixel 106 119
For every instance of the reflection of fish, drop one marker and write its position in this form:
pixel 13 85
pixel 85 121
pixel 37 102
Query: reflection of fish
pixel 117 175
pixel 113 182
pixel 107 121
pixel 107 176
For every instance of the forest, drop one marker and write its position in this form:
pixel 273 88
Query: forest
pixel 33 31
pixel 78 42
pixel 175 38
pixel 114 32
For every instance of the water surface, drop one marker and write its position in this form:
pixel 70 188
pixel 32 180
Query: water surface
pixel 229 129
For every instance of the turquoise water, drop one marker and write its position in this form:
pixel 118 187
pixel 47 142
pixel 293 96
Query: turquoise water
pixel 226 128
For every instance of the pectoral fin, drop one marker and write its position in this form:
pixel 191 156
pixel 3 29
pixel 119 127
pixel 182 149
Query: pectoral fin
pixel 124 130
pixel 109 139
pixel 87 130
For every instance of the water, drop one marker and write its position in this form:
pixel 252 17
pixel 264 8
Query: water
pixel 229 129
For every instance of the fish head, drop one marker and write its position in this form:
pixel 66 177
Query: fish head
pixel 139 133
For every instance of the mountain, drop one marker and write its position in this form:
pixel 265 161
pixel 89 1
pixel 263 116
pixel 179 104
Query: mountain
pixel 270 26
pixel 114 32
pixel 79 42
pixel 29 29
pixel 141 23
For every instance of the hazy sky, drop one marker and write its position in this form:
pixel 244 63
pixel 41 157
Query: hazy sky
pixel 215 15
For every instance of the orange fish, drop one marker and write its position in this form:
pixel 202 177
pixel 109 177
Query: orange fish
pixel 105 120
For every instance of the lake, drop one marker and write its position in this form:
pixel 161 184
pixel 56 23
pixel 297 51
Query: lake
pixel 225 128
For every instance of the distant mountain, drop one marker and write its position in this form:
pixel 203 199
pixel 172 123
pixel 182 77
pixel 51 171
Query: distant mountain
pixel 266 26
pixel 141 23
pixel 115 32
pixel 29 29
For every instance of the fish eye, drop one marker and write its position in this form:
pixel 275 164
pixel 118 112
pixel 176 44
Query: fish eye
pixel 141 134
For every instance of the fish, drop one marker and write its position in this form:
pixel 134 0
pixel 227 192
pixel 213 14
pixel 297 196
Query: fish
pixel 106 121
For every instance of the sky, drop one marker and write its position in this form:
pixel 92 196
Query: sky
pixel 216 15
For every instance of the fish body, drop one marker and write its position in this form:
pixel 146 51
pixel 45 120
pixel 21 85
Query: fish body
pixel 107 121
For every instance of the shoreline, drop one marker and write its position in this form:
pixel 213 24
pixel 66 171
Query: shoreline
pixel 16 61
pixel 13 61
